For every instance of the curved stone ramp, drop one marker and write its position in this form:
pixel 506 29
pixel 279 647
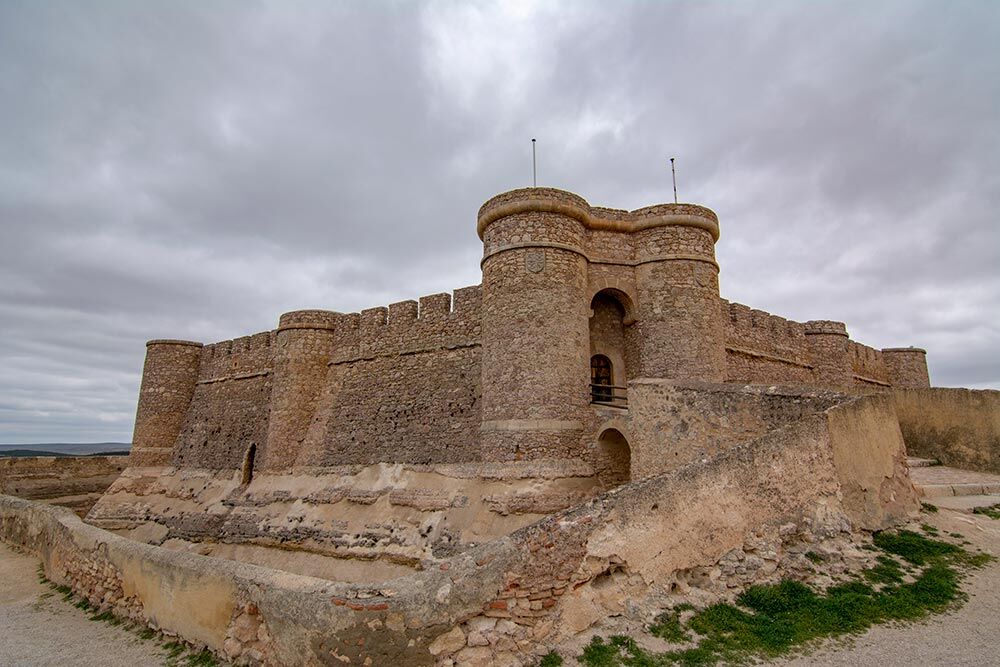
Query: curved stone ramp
pixel 843 467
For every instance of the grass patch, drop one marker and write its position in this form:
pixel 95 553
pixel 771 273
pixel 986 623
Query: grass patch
pixel 106 617
pixel 769 621
pixel 667 627
pixel 551 659
pixel 929 529
pixel 206 658
pixel 993 511
pixel 930 509
pixel 174 650
pixel 814 557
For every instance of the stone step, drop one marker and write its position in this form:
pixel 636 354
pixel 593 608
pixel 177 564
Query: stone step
pixel 915 462
pixel 963 503
pixel 968 489
pixel 942 481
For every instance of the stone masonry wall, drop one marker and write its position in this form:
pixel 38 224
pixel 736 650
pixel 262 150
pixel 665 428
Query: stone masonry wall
pixel 762 348
pixel 230 407
pixel 906 367
pixel 168 384
pixel 403 386
pixel 71 481
pixel 506 601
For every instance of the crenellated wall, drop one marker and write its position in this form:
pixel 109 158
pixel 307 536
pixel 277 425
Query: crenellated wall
pixel 762 348
pixel 402 385
pixel 501 371
pixel 231 403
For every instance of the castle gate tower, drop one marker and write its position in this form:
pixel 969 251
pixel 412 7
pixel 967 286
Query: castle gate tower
pixel 535 336
pixel 169 376
pixel 677 279
pixel 549 258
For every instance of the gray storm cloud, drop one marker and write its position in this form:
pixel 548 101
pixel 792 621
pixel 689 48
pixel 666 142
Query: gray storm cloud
pixel 194 169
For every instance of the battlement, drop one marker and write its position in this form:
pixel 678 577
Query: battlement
pixel 826 327
pixel 432 322
pixel 228 358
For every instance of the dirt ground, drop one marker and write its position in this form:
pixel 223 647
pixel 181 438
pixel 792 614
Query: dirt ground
pixel 37 627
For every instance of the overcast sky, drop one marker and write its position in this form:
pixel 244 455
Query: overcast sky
pixel 194 169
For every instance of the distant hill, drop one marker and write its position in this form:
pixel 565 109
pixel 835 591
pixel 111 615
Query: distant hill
pixel 66 449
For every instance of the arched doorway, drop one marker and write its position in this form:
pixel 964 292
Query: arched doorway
pixel 614 458
pixel 610 357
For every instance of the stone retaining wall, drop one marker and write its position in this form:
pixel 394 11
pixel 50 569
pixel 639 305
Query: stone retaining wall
pixel 958 427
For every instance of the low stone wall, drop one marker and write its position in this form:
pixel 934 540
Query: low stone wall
pixel 959 427
pixel 72 481
pixel 507 601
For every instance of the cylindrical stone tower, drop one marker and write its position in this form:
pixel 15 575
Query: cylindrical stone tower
pixel 906 367
pixel 677 279
pixel 535 336
pixel 169 376
pixel 303 345
pixel 828 350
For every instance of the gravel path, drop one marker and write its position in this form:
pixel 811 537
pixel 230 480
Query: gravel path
pixel 37 627
pixel 966 637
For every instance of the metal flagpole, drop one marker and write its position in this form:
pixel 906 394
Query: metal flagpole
pixel 534 168
pixel 674 173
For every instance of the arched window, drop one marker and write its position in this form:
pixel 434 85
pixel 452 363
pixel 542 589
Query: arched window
pixel 602 378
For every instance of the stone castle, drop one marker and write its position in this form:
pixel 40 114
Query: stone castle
pixel 471 479
pixel 576 303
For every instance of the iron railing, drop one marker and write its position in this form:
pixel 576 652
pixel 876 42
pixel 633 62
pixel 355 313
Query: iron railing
pixel 609 394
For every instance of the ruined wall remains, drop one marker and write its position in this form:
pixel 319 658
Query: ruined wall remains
pixel 350 523
pixel 958 427
pixel 75 482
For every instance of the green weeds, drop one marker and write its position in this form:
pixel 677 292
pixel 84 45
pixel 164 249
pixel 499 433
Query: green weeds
pixel 551 659
pixel 993 511
pixel 768 621
pixel 930 509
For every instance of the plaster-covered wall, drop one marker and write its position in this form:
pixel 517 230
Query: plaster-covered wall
pixel 959 427
pixel 673 424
